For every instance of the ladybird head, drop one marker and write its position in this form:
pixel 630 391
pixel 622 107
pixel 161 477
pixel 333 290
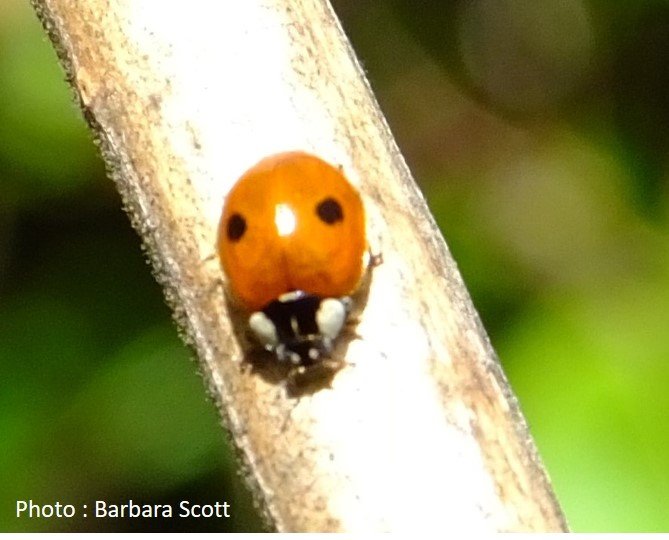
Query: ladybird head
pixel 300 328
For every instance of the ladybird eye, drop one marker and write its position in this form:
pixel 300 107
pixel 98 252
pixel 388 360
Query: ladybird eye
pixel 236 227
pixel 330 211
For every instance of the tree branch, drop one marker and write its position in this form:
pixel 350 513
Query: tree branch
pixel 420 430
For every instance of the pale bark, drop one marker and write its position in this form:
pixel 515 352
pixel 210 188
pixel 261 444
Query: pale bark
pixel 420 430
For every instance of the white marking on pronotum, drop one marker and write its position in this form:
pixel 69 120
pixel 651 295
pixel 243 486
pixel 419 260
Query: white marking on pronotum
pixel 330 317
pixel 264 329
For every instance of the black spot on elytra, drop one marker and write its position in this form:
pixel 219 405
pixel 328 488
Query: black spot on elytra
pixel 330 211
pixel 236 227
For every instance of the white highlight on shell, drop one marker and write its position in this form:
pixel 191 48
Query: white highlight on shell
pixel 284 219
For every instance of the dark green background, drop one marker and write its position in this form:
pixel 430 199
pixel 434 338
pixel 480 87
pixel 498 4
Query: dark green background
pixel 539 132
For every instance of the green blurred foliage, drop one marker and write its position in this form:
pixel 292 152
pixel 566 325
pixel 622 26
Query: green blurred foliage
pixel 540 135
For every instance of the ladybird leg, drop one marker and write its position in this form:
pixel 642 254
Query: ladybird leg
pixel 302 380
pixel 375 259
pixel 350 328
pixel 209 258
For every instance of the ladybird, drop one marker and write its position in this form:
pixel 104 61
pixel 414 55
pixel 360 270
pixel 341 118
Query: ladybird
pixel 292 242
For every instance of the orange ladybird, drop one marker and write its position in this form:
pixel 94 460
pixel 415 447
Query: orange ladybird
pixel 292 242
